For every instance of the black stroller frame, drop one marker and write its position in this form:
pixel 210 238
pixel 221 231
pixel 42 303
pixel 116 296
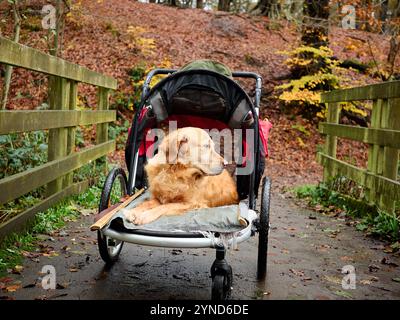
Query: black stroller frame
pixel 110 242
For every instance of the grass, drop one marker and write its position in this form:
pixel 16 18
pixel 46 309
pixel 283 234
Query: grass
pixel 14 245
pixel 369 218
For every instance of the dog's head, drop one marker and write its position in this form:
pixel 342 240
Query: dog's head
pixel 190 146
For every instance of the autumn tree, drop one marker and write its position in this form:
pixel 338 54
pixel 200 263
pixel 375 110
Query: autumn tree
pixel 315 23
pixel 9 69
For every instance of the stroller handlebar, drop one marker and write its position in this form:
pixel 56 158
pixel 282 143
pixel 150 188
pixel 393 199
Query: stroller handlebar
pixel 235 74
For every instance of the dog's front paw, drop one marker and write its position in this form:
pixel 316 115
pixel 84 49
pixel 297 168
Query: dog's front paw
pixel 131 215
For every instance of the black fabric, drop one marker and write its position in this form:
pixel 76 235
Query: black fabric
pixel 230 94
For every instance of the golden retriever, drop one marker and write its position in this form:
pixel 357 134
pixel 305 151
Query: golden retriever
pixel 186 173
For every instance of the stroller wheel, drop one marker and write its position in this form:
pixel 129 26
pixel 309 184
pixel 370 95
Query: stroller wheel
pixel 115 187
pixel 109 248
pixel 263 229
pixel 222 286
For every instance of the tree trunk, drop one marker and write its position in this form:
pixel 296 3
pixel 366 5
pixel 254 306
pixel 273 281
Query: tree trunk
pixel 9 69
pixel 263 7
pixel 199 4
pixel 224 5
pixel 315 23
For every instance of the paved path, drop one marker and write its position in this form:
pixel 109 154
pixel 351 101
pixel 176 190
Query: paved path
pixel 305 260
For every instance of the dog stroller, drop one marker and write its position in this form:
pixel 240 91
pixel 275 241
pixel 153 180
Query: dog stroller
pixel 203 94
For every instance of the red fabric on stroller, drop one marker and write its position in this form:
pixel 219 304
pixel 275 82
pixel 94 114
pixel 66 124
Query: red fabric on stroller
pixel 203 123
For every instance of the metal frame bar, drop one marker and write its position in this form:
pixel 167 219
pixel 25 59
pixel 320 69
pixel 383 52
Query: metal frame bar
pixel 175 242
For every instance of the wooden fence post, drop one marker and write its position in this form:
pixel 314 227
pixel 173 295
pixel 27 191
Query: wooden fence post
pixel 73 95
pixel 58 98
pixel 375 152
pixel 102 128
pixel 390 120
pixel 331 141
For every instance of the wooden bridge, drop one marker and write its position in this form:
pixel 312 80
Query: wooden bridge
pixel 379 179
pixel 383 136
pixel 61 120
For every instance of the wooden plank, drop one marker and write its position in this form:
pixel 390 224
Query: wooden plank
pixel 20 221
pixel 373 150
pixel 383 137
pixel 331 141
pixel 73 97
pixel 17 185
pixel 102 104
pixel 390 120
pixel 31 120
pixel 57 146
pixel 363 177
pixel 385 90
pixel 99 224
pixel 102 129
pixel 25 57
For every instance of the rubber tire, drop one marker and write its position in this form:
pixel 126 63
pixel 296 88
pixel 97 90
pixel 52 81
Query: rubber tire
pixel 108 185
pixel 217 290
pixel 221 286
pixel 263 229
pixel 113 175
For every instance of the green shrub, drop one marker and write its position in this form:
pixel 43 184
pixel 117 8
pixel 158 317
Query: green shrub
pixel 22 151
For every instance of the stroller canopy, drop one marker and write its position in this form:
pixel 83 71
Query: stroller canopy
pixel 202 88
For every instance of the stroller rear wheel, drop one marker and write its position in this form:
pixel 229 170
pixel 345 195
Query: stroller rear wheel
pixel 263 229
pixel 115 187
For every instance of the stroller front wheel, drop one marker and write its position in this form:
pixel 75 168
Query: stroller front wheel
pixel 115 187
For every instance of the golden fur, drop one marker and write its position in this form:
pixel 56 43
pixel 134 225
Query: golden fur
pixel 186 174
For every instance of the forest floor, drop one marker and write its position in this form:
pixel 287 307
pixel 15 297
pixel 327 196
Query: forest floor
pixel 306 252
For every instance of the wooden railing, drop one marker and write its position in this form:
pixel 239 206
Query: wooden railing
pixel 383 136
pixel 61 121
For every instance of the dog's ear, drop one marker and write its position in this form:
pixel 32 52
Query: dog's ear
pixel 177 149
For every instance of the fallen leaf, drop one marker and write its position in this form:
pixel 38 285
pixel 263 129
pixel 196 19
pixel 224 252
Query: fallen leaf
pixel 386 261
pixel 17 269
pixel 373 268
pixel 346 258
pixel 396 279
pixel 141 264
pixel 73 270
pixel 333 279
pixel 81 253
pixel 343 294
pixel 297 272
pixel 13 287
pixel 366 282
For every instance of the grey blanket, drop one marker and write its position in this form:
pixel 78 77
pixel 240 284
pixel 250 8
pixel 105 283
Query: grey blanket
pixel 221 219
